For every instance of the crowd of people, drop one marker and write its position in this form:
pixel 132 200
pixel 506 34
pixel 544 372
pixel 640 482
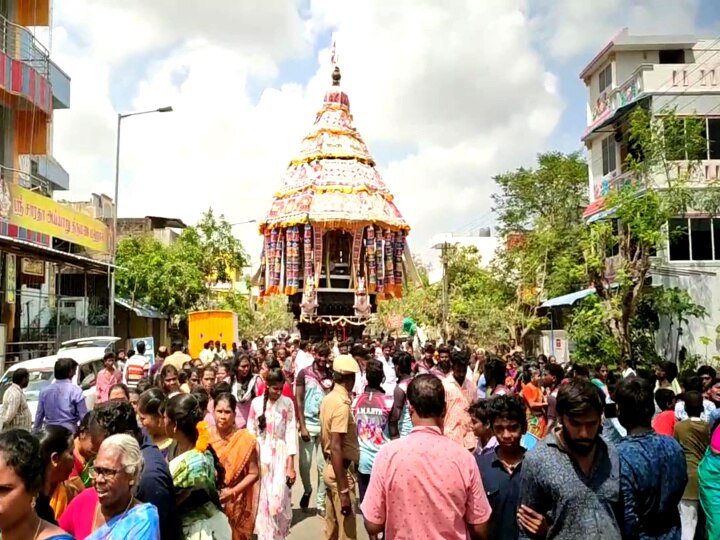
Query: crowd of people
pixel 444 443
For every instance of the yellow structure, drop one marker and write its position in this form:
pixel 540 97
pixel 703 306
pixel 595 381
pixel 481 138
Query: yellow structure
pixel 215 325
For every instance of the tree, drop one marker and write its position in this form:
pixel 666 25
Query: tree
pixel 540 217
pixel 661 169
pixel 178 278
pixel 270 316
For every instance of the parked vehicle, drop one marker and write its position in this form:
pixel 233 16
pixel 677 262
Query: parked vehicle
pixel 86 352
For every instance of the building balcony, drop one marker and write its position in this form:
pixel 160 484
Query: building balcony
pixel 26 180
pixel 650 79
pixel 24 67
pixel 47 168
pixel 60 84
pixel 695 175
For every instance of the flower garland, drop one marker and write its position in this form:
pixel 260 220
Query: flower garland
pixel 203 440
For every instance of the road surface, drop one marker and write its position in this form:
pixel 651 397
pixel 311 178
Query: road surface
pixel 310 526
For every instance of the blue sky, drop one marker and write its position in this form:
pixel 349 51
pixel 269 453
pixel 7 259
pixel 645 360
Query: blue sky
pixel 446 94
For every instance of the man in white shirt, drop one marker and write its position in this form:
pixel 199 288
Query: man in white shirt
pixel 627 371
pixel 303 359
pixel 207 355
pixel 384 355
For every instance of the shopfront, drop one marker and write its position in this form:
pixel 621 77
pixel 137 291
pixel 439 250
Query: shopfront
pixel 54 273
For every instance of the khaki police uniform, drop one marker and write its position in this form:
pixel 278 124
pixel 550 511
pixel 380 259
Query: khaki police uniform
pixel 336 417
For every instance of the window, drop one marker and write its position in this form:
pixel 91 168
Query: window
pixel 674 56
pixel 687 138
pixel 605 79
pixel 713 136
pixel 694 239
pixel 609 163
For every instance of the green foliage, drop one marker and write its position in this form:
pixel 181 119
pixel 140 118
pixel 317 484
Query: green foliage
pixel 592 338
pixel 270 316
pixel 176 279
pixel 655 189
pixel 543 208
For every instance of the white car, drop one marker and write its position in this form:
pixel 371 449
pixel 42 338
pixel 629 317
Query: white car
pixel 88 353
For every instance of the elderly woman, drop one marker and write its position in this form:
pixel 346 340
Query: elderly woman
pixel 109 511
pixel 21 475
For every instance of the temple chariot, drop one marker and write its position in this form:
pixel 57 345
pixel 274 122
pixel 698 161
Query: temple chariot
pixel 335 244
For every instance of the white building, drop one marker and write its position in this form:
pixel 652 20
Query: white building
pixel 482 240
pixel 660 72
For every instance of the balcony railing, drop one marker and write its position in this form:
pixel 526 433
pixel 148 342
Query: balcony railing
pixel 657 78
pixel 18 43
pixel 26 180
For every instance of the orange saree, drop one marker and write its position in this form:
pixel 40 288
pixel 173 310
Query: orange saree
pixel 235 452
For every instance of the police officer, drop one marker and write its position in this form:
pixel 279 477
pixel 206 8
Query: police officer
pixel 338 434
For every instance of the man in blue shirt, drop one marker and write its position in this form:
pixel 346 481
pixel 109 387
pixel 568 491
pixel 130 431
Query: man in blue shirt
pixel 155 485
pixel 653 471
pixel 501 468
pixel 61 403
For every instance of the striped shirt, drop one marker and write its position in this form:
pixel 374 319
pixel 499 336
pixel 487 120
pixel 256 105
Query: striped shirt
pixel 15 410
pixel 135 369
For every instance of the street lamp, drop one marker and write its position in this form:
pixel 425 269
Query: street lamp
pixel 113 252
pixel 244 222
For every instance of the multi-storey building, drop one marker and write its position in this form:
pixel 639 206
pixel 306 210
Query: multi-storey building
pixel 41 241
pixel 661 73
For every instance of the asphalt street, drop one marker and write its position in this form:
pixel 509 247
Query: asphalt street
pixel 309 526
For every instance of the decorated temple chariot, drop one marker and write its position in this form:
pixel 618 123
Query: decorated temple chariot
pixel 334 242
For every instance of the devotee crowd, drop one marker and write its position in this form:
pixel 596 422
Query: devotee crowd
pixel 440 443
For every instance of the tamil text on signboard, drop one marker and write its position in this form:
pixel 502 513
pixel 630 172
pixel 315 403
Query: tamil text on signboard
pixel 41 214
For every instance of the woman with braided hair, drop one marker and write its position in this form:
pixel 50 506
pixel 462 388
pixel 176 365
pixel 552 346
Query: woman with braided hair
pixel 272 421
pixel 196 471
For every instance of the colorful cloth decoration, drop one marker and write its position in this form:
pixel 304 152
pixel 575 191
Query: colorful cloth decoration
pixel 399 252
pixel 318 255
pixel 370 259
pixel 292 261
pixel 389 264
pixel 380 262
pixel 307 253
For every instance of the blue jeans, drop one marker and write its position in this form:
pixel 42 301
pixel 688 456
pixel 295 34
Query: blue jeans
pixel 306 454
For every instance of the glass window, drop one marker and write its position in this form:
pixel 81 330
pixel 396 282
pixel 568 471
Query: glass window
pixel 716 238
pixel 679 240
pixel 605 78
pixel 701 239
pixel 608 155
pixel 713 135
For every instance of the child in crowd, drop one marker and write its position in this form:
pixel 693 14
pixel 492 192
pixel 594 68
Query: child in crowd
pixel 664 422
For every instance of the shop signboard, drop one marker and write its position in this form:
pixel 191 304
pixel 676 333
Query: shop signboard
pixel 24 208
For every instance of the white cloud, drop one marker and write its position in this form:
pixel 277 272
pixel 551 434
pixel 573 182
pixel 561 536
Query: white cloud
pixel 457 83
pixel 570 27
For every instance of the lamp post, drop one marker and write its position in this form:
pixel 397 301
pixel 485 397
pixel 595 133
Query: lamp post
pixel 113 252
pixel 244 222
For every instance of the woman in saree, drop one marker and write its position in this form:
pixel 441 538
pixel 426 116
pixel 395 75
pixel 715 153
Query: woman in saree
pixel 56 453
pixel 196 471
pixel 709 482
pixel 535 401
pixel 237 451
pixel 109 511
pixel 83 453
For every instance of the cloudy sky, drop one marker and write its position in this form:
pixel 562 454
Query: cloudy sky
pixel 446 94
